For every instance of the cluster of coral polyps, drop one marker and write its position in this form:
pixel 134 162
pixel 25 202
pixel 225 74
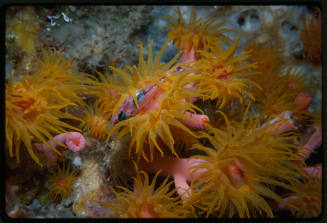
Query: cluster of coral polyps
pixel 216 131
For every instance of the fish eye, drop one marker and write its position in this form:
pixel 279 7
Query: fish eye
pixel 288 115
pixel 179 69
pixel 122 116
pixel 140 95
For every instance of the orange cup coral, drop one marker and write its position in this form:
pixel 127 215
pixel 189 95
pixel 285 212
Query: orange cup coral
pixel 147 201
pixel 195 34
pixel 35 104
pixel 225 76
pixel 62 181
pixel 236 170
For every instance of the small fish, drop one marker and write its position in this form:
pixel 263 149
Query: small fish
pixel 139 96
pixel 128 107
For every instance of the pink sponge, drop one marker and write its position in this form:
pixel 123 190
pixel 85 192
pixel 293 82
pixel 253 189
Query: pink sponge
pixel 75 141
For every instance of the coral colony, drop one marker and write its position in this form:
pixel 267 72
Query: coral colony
pixel 221 129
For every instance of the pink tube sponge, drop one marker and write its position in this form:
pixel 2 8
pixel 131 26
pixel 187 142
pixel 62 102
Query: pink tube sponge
pixel 312 144
pixel 198 121
pixel 281 123
pixel 75 141
pixel 315 171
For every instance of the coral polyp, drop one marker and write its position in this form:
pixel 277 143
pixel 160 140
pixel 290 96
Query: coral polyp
pixel 224 76
pixel 62 181
pixel 307 199
pixel 269 60
pixel 146 200
pixel 235 170
pixel 31 116
pixel 96 122
pixel 195 34
pixel 163 111
pixel 106 97
pixel 35 104
pixel 57 73
pixel 280 91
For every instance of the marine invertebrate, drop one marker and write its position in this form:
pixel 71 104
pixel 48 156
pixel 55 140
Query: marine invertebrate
pixel 146 200
pixel 279 87
pixel 225 76
pixel 62 181
pixel 311 37
pixel 313 143
pixel 134 79
pixel 301 105
pixel 197 121
pixel 147 115
pixel 275 103
pixel 147 127
pixel 280 123
pixel 57 73
pixel 284 91
pixel 236 173
pixel 269 60
pixel 233 110
pixel 239 167
pixel 96 122
pixel 184 170
pixel 295 80
pixel 31 116
pixel 35 104
pixel 106 97
pixel 315 171
pixel 195 34
pixel 270 63
pixel 73 141
pixel 178 168
pixel 306 200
